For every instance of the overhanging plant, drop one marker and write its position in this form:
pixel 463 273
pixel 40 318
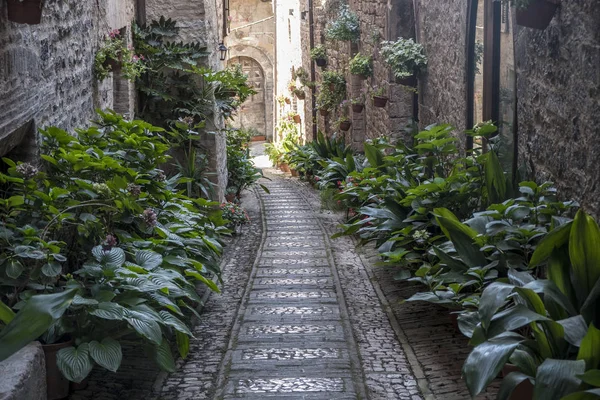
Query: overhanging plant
pixel 114 54
pixel 345 27
pixel 361 65
pixel 319 54
pixel 404 57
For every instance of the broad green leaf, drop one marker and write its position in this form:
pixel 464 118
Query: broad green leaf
pixel 584 251
pixel 591 377
pixel 589 351
pixel 172 321
pixel 486 360
pixel 107 354
pixel 555 239
pixel 462 236
pixel 203 279
pixel 148 259
pixel 557 378
pixel 14 268
pixel 33 320
pixel 74 363
pixel 6 314
pixel 509 383
pixel 492 298
pixel 82 301
pixel 512 319
pixel 373 155
pixel 144 325
pixel 494 178
pixel 115 257
pixel 592 394
pixel 163 356
pixel 52 269
pixel 575 329
pixel 107 310
pixel 183 343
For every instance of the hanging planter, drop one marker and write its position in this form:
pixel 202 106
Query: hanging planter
pixel 321 62
pixel 288 101
pixel 345 126
pixel 300 94
pixel 297 119
pixel 324 112
pixel 410 81
pixel 379 101
pixel 357 108
pixel 537 14
pixel 25 11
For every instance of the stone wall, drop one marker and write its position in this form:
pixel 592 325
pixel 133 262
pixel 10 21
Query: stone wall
pixel 558 88
pixel 46 69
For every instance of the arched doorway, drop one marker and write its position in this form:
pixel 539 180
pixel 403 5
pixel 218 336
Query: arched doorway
pixel 252 114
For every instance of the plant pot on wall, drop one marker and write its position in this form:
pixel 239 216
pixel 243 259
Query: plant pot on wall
pixel 321 62
pixel 324 112
pixel 284 167
pixel 345 125
pixel 357 108
pixel 57 386
pixel 25 11
pixel 410 81
pixel 300 95
pixel 379 101
pixel 537 14
pixel 288 101
pixel 297 119
pixel 294 172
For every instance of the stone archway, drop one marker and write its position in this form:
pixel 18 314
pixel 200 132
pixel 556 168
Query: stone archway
pixel 252 114
pixel 264 64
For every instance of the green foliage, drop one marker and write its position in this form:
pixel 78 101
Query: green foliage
pixel 332 91
pixel 103 232
pixel 345 27
pixel 241 169
pixel 318 52
pixel 235 214
pixel 114 52
pixel 404 57
pixel 361 65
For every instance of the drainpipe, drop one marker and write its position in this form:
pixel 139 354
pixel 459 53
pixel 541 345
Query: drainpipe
pixel 275 75
pixel 313 72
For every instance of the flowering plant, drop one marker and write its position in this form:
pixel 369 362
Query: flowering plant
pixel 345 27
pixel 113 54
pixel 234 213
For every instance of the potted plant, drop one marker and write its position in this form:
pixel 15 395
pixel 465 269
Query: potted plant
pixel 319 54
pixel 325 101
pixel 344 123
pixel 361 65
pixel 335 82
pixel 25 11
pixel 300 94
pixel 345 27
pixel 405 58
pixel 296 118
pixel 358 103
pixel 379 98
pixel 236 216
pixel 114 55
pixel 230 194
pixel 535 14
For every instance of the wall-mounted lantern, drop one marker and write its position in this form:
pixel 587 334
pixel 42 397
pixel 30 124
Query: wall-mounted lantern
pixel 222 51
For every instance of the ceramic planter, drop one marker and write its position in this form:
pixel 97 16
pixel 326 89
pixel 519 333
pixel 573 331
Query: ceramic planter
pixel 345 125
pixel 524 390
pixel 379 101
pixel 296 119
pixel 321 62
pixel 300 95
pixel 260 138
pixel 410 81
pixel 287 101
pixel 537 14
pixel 25 12
pixel 57 386
pixel 357 108
pixel 324 112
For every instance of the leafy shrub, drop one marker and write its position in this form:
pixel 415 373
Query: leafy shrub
pixel 361 65
pixel 345 26
pixel 319 51
pixel 404 57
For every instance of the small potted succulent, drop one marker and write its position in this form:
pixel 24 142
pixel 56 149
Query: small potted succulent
pixel 406 59
pixel 379 97
pixel 344 123
pixel 362 66
pixel 535 14
pixel 319 54
pixel 25 11
pixel 358 103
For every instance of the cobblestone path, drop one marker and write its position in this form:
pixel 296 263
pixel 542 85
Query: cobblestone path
pixel 292 338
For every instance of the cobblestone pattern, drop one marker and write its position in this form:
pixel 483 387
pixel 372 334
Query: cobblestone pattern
pixel 292 339
pixel 427 331
pixel 139 379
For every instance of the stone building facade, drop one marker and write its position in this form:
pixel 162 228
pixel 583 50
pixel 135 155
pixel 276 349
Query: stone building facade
pixel 46 70
pixel 542 86
pixel 251 43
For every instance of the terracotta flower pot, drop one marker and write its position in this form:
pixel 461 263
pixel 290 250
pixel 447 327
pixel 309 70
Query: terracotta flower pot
pixel 321 62
pixel 379 101
pixel 294 172
pixel 537 14
pixel 25 12
pixel 260 138
pixel 357 108
pixel 300 95
pixel 284 167
pixel 324 112
pixel 297 119
pixel 524 390
pixel 345 125
pixel 230 197
pixel 288 101
pixel 57 386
